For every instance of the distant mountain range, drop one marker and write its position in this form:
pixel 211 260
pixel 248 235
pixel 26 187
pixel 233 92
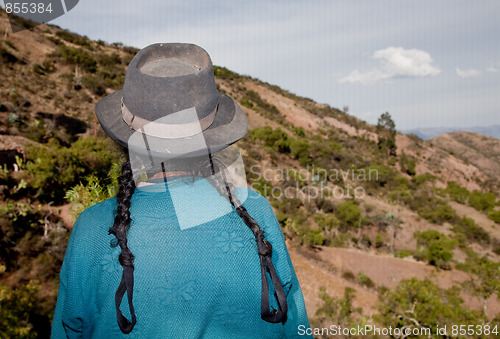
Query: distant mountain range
pixel 428 133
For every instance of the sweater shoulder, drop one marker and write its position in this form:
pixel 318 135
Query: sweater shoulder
pixel 95 218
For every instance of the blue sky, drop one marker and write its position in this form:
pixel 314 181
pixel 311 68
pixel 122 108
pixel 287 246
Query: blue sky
pixel 428 63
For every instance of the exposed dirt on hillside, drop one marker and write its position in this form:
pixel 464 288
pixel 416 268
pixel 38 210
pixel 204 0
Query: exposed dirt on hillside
pixel 255 120
pixel 442 164
pixel 479 218
pixel 291 111
pixel 479 150
pixel 351 130
pixel 410 222
pixel 324 267
pixel 300 117
pixel 13 142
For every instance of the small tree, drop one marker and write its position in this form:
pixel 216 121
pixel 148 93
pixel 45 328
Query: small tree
pixel 386 130
pixel 422 304
pixel 487 280
pixel 340 311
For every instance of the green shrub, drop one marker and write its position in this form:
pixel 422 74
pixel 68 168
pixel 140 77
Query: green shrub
pixel 471 231
pixel 495 246
pixel 130 50
pixel 494 215
pixel 19 20
pixel 415 303
pixel 262 186
pixel 313 236
pixel 435 247
pixel 276 139
pixel 301 150
pixel 75 38
pixel 349 214
pixel 407 164
pixel 112 78
pixel 437 211
pixel 378 175
pixel 76 56
pixel 10 44
pixel 94 84
pixel 366 241
pixel 109 60
pixel 83 196
pixel 403 254
pixel 52 169
pixel 457 192
pixel 326 221
pixel 338 311
pixel 487 273
pixel 46 67
pixel 482 201
pixel 20 311
pixel 325 205
pixel 7 57
pixel 423 178
pixel 19 223
pixel 341 240
pixel 226 74
pixel 245 102
pixel 348 275
pixel 262 107
pixel 365 280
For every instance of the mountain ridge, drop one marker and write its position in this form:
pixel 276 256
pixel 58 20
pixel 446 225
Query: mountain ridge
pixel 431 132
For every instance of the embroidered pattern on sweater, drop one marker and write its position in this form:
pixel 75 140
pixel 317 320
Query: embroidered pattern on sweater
pixel 228 242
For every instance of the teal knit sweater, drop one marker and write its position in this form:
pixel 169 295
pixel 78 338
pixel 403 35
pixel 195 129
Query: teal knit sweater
pixel 197 272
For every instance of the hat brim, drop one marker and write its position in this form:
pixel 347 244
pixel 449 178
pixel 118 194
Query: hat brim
pixel 230 125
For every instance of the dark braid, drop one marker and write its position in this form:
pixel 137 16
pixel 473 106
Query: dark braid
pixel 126 258
pixel 226 189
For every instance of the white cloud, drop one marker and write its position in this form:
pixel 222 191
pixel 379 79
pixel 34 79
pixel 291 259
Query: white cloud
pixel 468 73
pixel 395 62
pixel 492 69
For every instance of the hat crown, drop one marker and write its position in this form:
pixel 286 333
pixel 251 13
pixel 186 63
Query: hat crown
pixel 163 79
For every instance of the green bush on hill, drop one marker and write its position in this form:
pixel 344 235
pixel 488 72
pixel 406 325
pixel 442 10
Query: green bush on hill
pixel 20 311
pixel 52 169
pixel 262 107
pixel 339 311
pixel 438 212
pixel 487 273
pixel 494 215
pixel 407 164
pixel 457 193
pixel 76 56
pixel 471 231
pixel 349 215
pixel 435 247
pixel 422 304
pixel 75 39
pixel 482 201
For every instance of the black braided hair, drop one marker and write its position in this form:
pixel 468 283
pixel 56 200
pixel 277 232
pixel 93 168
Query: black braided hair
pixel 213 171
pixel 264 248
pixel 126 258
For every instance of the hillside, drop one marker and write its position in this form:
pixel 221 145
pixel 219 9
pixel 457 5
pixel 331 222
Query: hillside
pixel 480 150
pixel 360 224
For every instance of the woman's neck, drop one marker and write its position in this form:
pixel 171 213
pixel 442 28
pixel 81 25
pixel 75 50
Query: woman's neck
pixel 169 174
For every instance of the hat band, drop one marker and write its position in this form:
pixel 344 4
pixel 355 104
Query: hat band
pixel 169 131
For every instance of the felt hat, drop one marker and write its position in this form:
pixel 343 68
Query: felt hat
pixel 170 106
